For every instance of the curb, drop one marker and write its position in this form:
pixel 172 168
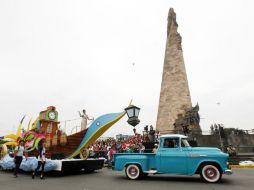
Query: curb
pixel 238 166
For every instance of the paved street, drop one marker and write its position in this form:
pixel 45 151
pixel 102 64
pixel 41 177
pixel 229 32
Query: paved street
pixel 107 179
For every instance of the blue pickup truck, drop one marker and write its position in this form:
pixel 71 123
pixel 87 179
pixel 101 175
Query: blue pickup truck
pixel 174 156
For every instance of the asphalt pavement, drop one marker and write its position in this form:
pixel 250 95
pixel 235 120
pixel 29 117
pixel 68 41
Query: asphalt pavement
pixel 106 179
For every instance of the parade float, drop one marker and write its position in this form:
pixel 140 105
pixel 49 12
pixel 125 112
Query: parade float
pixel 63 152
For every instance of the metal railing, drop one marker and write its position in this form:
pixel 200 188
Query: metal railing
pixel 72 126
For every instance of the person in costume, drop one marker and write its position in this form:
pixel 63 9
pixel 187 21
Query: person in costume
pixel 84 117
pixel 41 160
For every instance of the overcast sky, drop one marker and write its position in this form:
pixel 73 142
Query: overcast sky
pixel 98 55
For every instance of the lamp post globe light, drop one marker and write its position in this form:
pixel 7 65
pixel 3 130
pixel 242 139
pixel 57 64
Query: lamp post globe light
pixel 133 112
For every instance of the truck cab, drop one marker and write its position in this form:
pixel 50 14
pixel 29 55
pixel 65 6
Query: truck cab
pixel 174 156
pixel 172 149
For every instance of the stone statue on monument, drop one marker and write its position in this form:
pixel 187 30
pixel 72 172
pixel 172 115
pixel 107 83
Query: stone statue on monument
pixel 187 120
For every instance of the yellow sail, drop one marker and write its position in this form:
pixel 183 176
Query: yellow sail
pixel 28 126
pixel 20 126
pixel 11 136
pixel 11 143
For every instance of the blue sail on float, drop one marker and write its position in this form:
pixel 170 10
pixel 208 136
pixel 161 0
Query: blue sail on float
pixel 96 129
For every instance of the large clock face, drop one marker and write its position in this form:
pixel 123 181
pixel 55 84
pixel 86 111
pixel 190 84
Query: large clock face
pixel 52 115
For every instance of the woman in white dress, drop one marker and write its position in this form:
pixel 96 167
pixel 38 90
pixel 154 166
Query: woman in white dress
pixel 84 117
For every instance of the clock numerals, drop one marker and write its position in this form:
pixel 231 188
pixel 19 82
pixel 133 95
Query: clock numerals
pixel 52 115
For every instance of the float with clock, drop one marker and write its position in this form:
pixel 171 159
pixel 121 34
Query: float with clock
pixel 68 152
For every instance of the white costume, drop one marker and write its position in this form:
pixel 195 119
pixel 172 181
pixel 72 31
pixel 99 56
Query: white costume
pixel 20 150
pixel 84 121
pixel 42 156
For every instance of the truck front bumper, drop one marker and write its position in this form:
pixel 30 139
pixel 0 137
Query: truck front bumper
pixel 228 172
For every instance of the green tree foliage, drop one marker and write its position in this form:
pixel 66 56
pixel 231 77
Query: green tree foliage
pixel 236 131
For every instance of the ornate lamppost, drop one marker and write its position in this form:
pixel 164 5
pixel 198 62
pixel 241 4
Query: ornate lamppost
pixel 133 112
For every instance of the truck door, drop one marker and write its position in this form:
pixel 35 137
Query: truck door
pixel 172 157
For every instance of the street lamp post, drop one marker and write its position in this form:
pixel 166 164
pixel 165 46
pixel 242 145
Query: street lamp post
pixel 133 112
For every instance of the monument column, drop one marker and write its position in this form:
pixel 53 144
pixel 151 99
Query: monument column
pixel 175 97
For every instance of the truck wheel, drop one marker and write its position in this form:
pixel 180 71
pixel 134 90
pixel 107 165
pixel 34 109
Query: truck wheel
pixel 210 173
pixel 133 171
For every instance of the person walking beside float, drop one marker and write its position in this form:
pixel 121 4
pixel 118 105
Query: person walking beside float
pixel 18 157
pixel 41 160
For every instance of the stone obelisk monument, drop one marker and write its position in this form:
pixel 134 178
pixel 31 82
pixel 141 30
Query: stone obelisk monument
pixel 175 97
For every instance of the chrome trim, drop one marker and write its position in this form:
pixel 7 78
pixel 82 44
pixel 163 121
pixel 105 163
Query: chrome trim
pixel 228 172
pixel 197 155
pixel 151 172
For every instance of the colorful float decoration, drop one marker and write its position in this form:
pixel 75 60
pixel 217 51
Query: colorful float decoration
pixel 58 144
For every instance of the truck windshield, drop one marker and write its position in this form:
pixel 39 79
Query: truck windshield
pixel 185 143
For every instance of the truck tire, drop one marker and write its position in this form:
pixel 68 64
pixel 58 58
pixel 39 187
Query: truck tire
pixel 133 172
pixel 210 173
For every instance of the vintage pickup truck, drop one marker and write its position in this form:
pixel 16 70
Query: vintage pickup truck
pixel 174 156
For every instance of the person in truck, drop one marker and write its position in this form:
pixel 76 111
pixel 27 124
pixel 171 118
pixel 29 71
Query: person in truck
pixel 168 143
pixel 155 148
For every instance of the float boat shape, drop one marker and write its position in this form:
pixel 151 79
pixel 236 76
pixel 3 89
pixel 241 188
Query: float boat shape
pixel 59 146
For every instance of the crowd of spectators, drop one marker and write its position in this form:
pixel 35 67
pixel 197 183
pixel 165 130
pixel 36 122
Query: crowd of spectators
pixel 133 144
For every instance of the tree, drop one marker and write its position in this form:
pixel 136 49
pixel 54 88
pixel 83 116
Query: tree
pixel 236 131
pixel 221 130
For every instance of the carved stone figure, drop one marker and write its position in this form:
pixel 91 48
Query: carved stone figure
pixel 190 118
